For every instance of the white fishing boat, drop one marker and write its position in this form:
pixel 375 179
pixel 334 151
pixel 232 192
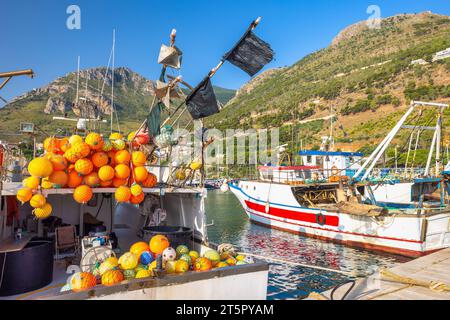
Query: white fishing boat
pixel 314 202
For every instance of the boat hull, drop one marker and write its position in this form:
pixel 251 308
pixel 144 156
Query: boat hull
pixel 274 206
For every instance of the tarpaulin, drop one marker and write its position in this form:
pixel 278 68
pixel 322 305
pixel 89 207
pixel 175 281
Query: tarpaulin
pixel 154 120
pixel 251 54
pixel 202 101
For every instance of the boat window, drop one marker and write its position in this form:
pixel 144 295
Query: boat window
pixel 308 158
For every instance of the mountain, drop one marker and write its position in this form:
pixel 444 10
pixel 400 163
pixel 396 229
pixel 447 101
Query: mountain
pixel 133 95
pixel 365 74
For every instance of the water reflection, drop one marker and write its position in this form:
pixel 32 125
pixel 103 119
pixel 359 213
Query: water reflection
pixel 231 225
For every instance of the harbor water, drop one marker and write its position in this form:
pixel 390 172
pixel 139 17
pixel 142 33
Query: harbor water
pixel 287 281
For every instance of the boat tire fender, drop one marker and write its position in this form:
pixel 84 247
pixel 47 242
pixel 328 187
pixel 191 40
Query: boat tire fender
pixel 334 171
pixel 320 219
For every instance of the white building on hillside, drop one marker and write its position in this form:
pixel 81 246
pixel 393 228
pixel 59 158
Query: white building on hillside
pixel 442 55
pixel 419 62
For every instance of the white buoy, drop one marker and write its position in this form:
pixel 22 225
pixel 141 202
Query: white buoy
pixel 224 187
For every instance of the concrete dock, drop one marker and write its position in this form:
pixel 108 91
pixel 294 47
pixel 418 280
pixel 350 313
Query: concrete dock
pixel 425 278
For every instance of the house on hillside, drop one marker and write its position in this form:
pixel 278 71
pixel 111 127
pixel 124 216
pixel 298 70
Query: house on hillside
pixel 419 62
pixel 442 55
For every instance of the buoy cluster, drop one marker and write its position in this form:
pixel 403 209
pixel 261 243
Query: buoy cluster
pixel 141 262
pixel 85 163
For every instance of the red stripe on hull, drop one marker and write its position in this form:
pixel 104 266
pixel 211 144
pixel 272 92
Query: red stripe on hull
pixel 337 231
pixel 349 243
pixel 331 221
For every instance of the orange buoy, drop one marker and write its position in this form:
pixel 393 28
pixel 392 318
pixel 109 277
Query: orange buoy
pixel 105 184
pixel 100 159
pixel 59 162
pixel 151 181
pixel 58 179
pixel 84 166
pixel 122 157
pixel 106 173
pixel 137 199
pixel 122 171
pixel 138 158
pixel 83 194
pixel 74 180
pixel 122 194
pixel 92 179
pixel 158 244
pixel 140 174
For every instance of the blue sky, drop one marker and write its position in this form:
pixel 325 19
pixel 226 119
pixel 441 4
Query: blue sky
pixel 34 33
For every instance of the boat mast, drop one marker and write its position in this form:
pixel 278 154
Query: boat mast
pixel 112 78
pixel 331 129
pixel 78 83
pixel 438 145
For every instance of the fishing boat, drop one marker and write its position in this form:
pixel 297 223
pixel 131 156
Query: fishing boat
pixel 102 222
pixel 324 203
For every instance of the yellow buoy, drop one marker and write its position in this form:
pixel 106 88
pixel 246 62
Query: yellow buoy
pixel 31 183
pixel 44 212
pixel 136 190
pixel 74 139
pixel 40 167
pixel 195 165
pixel 38 201
pixel 24 195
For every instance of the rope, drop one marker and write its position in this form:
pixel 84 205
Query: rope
pixel 317 296
pixel 353 282
pixel 385 224
pixel 435 286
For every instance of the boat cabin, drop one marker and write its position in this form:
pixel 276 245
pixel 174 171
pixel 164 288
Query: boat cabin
pixel 333 163
pixel 289 174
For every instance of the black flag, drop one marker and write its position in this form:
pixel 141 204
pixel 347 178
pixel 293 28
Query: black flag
pixel 202 101
pixel 251 54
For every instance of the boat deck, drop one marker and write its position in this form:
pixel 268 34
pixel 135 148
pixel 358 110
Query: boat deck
pixel 433 267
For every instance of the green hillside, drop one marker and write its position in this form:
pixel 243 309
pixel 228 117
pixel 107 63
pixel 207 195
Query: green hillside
pixel 133 97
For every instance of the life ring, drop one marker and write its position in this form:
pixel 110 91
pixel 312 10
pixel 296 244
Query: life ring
pixel 321 219
pixel 334 170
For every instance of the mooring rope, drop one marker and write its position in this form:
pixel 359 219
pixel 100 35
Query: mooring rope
pixel 436 286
